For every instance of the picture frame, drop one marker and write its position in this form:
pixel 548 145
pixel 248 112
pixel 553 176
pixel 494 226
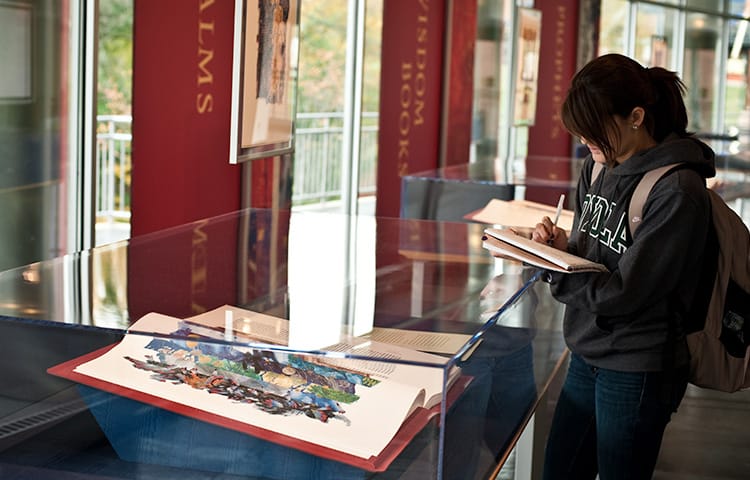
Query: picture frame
pixel 528 41
pixel 659 51
pixel 264 73
pixel 16 56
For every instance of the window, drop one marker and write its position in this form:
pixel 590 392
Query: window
pixel 705 44
pixel 339 80
pixel 40 123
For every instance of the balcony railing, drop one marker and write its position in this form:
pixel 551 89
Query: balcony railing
pixel 318 157
pixel 317 161
pixel 113 167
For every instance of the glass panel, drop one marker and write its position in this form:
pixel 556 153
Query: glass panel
pixel 290 362
pixel 368 152
pixel 739 7
pixel 113 154
pixel 736 113
pixel 319 167
pixel 613 33
pixel 114 120
pixel 700 72
pixel 319 130
pixel 655 33
pixel 492 132
pixel 487 81
pixel 706 5
pixel 35 129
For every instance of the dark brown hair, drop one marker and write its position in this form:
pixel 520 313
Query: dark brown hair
pixel 614 84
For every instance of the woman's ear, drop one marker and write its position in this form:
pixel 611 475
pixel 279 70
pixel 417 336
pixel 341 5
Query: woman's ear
pixel 636 116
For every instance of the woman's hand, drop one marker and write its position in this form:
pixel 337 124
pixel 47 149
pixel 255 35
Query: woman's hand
pixel 546 232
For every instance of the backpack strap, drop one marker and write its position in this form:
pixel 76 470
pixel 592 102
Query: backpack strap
pixel 638 200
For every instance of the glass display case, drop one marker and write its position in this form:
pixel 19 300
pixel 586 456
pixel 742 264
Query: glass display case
pixel 267 344
pixel 451 193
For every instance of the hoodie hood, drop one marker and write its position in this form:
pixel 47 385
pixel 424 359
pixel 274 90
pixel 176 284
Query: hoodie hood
pixel 673 149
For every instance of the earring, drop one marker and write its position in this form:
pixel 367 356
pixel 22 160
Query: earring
pixel 635 127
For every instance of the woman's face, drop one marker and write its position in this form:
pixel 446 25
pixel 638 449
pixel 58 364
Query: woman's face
pixel 596 154
pixel 624 142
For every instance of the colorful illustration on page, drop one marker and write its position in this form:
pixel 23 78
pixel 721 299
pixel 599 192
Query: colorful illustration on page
pixel 274 382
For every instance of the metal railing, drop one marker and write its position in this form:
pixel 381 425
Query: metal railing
pixel 318 156
pixel 317 161
pixel 113 166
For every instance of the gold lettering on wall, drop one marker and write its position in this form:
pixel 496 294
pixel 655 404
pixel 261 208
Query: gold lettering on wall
pixel 413 89
pixel 204 99
pixel 204 74
pixel 198 267
pixel 558 92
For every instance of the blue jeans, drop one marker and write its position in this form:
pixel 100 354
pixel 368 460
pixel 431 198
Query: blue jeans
pixel 610 422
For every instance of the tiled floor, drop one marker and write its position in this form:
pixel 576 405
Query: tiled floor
pixel 708 438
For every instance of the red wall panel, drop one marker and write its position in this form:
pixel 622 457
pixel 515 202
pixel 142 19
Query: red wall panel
pixel 557 64
pixel 410 95
pixel 182 65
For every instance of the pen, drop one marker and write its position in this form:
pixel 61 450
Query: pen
pixel 557 216
pixel 559 209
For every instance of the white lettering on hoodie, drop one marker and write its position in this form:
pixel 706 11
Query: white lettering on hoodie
pixel 594 220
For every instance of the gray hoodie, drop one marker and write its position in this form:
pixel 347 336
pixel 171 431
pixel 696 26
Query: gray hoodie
pixel 621 320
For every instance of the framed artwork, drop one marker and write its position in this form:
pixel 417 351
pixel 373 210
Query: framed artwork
pixel 659 51
pixel 266 39
pixel 529 29
pixel 15 56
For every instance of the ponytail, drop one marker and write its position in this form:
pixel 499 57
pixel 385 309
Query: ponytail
pixel 667 113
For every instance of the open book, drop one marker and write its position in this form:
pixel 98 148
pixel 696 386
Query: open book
pixel 350 410
pixel 507 243
pixel 230 323
pixel 524 214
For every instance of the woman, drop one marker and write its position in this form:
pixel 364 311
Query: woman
pixel 629 360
